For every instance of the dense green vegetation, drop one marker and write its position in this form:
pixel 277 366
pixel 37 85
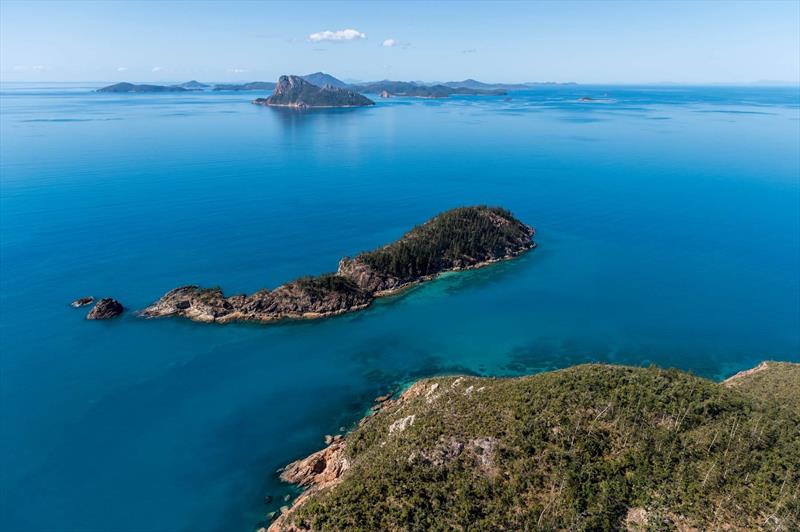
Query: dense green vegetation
pixel 467 233
pixel 592 447
pixel 779 382
pixel 326 283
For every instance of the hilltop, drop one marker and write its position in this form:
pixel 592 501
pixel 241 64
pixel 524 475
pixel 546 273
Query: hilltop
pixel 592 447
pixel 320 79
pixel 458 239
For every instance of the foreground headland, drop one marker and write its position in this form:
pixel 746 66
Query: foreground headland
pixel 591 447
pixel 458 239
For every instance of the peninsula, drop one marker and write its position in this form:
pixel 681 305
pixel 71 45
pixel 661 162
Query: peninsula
pixel 592 447
pixel 294 91
pixel 458 239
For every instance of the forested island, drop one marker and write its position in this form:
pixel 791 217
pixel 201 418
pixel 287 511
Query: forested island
pixel 407 88
pixel 294 91
pixel 458 239
pixel 592 447
pixel 133 87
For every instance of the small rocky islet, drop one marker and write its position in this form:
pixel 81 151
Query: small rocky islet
pixel 458 239
pixel 105 309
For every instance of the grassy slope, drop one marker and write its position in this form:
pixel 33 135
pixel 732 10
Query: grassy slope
pixel 576 448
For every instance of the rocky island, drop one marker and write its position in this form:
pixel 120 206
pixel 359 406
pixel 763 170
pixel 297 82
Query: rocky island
pixel 458 239
pixel 294 91
pixel 133 87
pixel 592 447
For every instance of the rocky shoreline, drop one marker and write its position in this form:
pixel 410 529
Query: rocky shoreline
pixel 439 244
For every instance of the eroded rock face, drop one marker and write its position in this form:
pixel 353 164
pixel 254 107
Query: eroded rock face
pixel 105 309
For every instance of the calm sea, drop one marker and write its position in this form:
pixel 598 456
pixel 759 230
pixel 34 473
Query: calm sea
pixel 668 222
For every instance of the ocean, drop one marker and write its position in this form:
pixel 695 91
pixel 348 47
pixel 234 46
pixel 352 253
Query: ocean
pixel 668 231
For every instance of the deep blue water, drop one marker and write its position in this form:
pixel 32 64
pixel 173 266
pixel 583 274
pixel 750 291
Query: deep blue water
pixel 668 223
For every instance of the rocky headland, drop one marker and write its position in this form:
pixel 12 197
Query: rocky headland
pixel 459 239
pixel 591 447
pixel 294 91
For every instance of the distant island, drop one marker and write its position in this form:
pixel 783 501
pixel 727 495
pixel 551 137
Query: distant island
pixel 458 239
pixel 385 88
pixel 406 88
pixel 132 87
pixel 592 447
pixel 294 91
pixel 251 86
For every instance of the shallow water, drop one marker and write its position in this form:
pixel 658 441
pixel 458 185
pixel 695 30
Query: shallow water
pixel 668 223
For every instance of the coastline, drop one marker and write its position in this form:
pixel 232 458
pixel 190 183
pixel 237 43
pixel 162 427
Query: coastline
pixel 322 471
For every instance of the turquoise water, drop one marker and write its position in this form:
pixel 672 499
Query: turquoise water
pixel 668 223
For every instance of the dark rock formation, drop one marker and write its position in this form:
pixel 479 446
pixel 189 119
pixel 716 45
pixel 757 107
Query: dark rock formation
pixel 132 87
pixel 104 309
pixel 294 91
pixel 463 238
pixel 82 302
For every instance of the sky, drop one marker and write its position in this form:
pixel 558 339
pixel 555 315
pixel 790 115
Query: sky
pixel 713 41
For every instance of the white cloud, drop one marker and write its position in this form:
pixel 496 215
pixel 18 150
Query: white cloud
pixel 122 69
pixel 158 69
pixel 337 36
pixel 388 43
pixel 237 70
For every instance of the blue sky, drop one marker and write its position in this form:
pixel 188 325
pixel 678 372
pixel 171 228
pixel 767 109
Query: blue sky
pixel 589 42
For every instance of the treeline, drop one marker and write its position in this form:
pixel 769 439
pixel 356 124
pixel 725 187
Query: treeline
pixel 471 234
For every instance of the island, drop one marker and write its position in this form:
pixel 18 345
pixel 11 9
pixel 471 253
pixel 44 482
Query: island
pixel 133 87
pixel 105 309
pixel 458 239
pixel 294 91
pixel 408 88
pixel 251 86
pixel 320 79
pixel 192 85
pixel 591 447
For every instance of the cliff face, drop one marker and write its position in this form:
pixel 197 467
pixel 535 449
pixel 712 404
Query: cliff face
pixel 294 91
pixel 592 447
pixel 463 238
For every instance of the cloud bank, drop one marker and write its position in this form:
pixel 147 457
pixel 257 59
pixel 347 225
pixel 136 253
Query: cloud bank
pixel 337 36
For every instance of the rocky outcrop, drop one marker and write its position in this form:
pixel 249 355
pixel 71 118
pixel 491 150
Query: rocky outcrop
pixel 82 302
pixel 318 471
pixel 313 297
pixel 464 238
pixel 294 91
pixel 105 309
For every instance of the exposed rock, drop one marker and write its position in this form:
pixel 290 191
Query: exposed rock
pixel 402 424
pixel 294 91
pixel 104 309
pixel 267 499
pixel 82 302
pixel 320 470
